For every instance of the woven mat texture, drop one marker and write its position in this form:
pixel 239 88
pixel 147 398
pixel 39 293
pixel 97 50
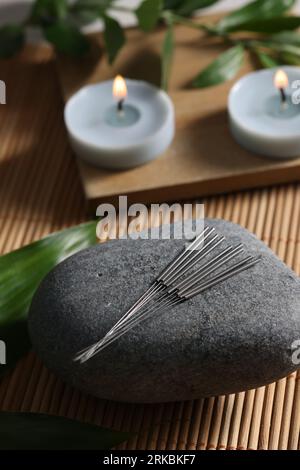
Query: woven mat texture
pixel 40 192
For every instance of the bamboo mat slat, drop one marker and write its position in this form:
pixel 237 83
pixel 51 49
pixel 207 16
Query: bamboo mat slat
pixel 40 192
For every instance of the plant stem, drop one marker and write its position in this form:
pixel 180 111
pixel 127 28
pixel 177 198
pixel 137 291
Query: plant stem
pixel 210 30
pixel 168 15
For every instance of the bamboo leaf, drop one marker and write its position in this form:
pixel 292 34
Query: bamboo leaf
pixel 148 14
pixel 21 271
pixel 288 58
pixel 172 4
pixel 67 39
pixel 167 55
pixel 225 67
pixel 11 40
pixel 187 7
pixel 270 25
pixel 266 60
pixel 32 431
pixel 190 6
pixel 257 10
pixel 281 47
pixel 114 38
pixel 286 37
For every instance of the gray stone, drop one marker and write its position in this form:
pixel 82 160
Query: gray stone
pixel 235 336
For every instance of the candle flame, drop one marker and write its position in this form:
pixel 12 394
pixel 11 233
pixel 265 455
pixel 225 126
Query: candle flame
pixel 119 88
pixel 281 79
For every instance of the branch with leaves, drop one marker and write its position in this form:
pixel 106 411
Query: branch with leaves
pixel 277 40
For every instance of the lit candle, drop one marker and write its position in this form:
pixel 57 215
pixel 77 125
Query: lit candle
pixel 119 124
pixel 120 92
pixel 281 82
pixel 121 115
pixel 263 121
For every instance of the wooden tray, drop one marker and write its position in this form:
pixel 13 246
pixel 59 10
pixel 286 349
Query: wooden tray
pixel 204 158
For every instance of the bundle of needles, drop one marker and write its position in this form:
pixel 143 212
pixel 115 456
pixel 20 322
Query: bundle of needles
pixel 190 273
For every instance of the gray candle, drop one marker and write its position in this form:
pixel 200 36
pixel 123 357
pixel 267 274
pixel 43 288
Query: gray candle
pixel 118 124
pixel 263 117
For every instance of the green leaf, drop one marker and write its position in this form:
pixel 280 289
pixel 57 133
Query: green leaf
pixel 172 4
pixel 67 39
pixel 21 272
pixel 114 38
pixel 48 11
pixel 190 6
pixel 187 7
pixel 266 60
pixel 288 53
pixel 288 58
pixel 11 40
pixel 271 25
pixel 291 49
pixel 257 10
pixel 225 67
pixel 286 37
pixel 33 431
pixel 148 14
pixel 167 55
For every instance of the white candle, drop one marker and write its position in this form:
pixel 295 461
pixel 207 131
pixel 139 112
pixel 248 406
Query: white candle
pixel 263 117
pixel 119 124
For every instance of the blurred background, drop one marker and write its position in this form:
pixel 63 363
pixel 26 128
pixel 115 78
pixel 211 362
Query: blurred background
pixel 16 10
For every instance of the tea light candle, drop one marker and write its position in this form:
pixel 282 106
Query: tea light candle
pixel 119 124
pixel 263 118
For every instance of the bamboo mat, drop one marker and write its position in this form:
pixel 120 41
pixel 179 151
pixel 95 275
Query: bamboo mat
pixel 40 192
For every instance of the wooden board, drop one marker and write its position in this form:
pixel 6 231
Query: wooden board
pixel 204 158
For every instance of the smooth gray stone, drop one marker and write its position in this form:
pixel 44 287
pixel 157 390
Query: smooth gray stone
pixel 235 336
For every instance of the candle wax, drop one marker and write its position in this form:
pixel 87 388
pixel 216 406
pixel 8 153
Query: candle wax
pixel 128 116
pixel 259 120
pixel 277 109
pixel 108 137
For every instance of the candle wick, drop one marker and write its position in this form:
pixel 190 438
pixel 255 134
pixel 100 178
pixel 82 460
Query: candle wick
pixel 120 106
pixel 283 95
pixel 283 99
